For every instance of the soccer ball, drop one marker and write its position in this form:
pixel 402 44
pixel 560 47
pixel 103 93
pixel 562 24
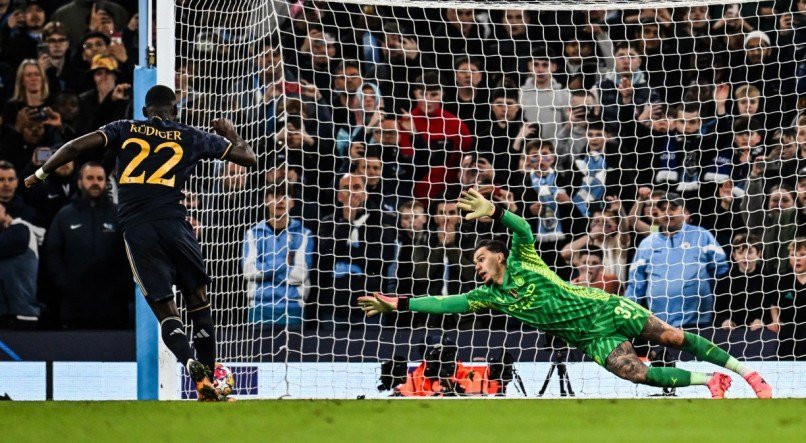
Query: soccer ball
pixel 223 380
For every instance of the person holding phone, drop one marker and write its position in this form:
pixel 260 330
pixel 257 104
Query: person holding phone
pixel 53 58
pixel 22 33
pixel 31 90
pixel 108 100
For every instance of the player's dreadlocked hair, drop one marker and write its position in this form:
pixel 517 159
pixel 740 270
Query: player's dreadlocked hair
pixel 494 246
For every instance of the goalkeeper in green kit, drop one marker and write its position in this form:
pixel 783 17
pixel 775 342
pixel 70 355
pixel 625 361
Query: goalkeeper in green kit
pixel 519 283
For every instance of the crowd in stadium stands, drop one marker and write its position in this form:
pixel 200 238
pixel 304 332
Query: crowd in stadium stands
pixel 604 129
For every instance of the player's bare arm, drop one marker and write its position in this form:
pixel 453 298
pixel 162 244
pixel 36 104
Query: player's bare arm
pixel 240 153
pixel 65 154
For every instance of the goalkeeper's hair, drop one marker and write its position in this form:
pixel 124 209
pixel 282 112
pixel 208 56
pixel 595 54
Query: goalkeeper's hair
pixel 494 246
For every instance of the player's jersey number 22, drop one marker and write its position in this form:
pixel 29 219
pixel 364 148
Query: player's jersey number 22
pixel 157 178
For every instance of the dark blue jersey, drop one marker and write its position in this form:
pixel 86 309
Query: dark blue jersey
pixel 154 159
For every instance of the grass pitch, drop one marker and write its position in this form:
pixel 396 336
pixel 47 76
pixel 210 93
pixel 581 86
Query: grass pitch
pixel 500 421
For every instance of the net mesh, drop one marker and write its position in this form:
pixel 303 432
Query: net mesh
pixel 580 116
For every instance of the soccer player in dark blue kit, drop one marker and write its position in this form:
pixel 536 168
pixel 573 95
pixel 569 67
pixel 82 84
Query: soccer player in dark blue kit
pixel 154 159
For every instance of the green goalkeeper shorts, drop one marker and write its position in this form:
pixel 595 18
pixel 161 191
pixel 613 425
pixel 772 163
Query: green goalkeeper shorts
pixel 619 320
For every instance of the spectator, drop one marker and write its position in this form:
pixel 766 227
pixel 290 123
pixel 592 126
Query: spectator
pixel 312 158
pixel 54 193
pixel 83 242
pixel 13 203
pixel 787 302
pixel 67 106
pixel 77 14
pixel 689 151
pixel 660 60
pixel 657 146
pixel 607 235
pixel 571 139
pixel 402 63
pixel 122 39
pixel 365 115
pixel 777 224
pixel 23 33
pixel 108 100
pixel 510 52
pixel 416 269
pixel 783 165
pixel 591 171
pixel 580 70
pixel 674 269
pixel 724 217
pixel 439 138
pixel 30 91
pixel 315 60
pixel 458 33
pixel 624 92
pixel 277 257
pixel 385 187
pixel 354 252
pixel 92 44
pixel 395 144
pixel 746 103
pixel 60 70
pixel 543 100
pixel 469 100
pixel 547 208
pixel 740 293
pixel 346 82
pixel 447 224
pixel 762 69
pixel 19 256
pixel 504 140
pixel 733 163
pixel 275 83
pixel 591 272
pixel 33 138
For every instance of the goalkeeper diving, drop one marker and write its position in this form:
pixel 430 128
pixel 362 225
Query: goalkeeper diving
pixel 518 283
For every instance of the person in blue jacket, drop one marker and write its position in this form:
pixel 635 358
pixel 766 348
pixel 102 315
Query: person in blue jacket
pixel 674 270
pixel 277 257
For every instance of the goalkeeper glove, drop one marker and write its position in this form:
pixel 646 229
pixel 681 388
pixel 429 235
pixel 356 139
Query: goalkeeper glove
pixel 377 303
pixel 475 203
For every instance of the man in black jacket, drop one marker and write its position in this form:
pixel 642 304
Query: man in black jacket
pixel 84 257
pixel 18 262
pixel 354 253
pixel 15 206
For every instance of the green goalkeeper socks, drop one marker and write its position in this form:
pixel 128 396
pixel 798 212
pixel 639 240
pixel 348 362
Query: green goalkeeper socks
pixel 669 377
pixel 710 352
pixel 705 349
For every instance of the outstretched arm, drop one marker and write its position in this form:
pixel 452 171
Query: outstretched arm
pixel 240 152
pixel 378 303
pixel 65 154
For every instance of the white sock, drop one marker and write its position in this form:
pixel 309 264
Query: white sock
pixel 737 367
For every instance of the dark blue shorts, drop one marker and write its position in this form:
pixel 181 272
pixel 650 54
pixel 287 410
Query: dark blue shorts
pixel 163 253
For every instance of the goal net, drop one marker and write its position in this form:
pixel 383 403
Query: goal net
pixel 656 149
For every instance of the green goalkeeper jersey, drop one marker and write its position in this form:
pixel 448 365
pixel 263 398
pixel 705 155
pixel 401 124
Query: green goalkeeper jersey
pixel 530 292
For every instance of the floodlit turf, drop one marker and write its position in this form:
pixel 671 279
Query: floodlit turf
pixel 500 421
